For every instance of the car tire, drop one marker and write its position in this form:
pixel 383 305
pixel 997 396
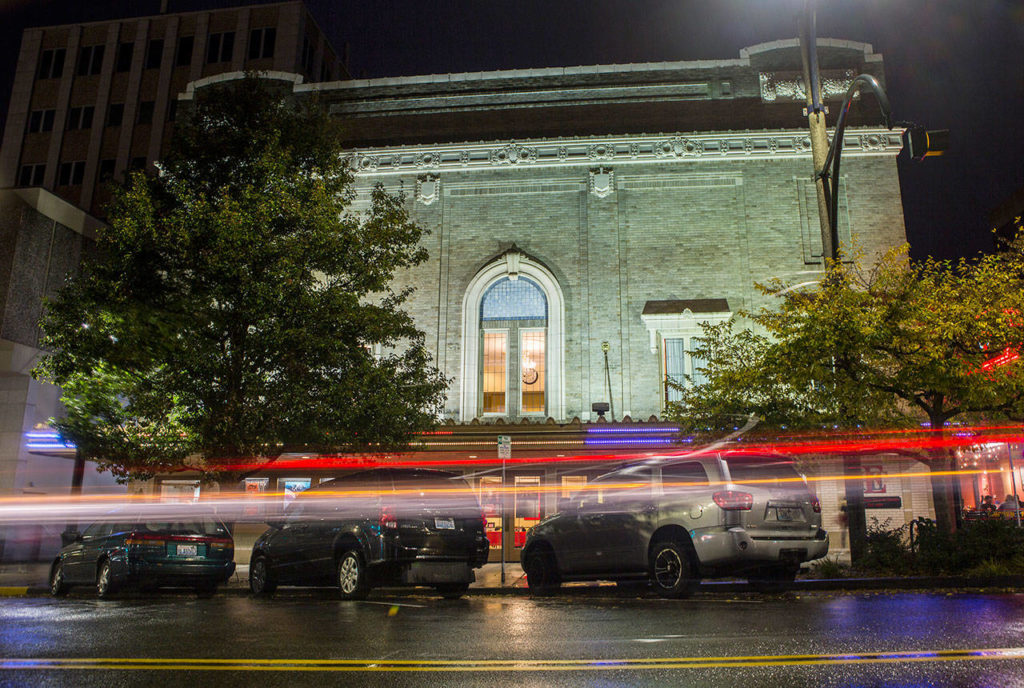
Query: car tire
pixel 452 591
pixel 773 579
pixel 672 573
pixel 541 570
pixel 104 585
pixel 353 579
pixel 261 581
pixel 58 586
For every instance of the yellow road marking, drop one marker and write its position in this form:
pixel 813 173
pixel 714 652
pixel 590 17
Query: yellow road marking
pixel 434 665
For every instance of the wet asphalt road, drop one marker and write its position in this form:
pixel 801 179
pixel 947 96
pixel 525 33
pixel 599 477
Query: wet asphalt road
pixel 594 638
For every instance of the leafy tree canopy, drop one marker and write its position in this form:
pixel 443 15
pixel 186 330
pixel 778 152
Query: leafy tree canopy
pixel 235 308
pixel 896 344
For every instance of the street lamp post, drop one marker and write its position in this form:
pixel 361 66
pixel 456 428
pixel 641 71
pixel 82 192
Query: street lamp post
pixel 826 184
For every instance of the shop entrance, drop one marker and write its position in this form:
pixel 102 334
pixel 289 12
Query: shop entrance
pixel 523 510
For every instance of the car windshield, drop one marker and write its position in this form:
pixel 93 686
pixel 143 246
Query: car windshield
pixel 765 471
pixel 194 526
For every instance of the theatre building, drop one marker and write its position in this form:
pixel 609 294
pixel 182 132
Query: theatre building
pixel 583 223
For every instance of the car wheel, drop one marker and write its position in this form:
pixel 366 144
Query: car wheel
pixel 261 582
pixel 58 586
pixel 541 572
pixel 672 570
pixel 352 577
pixel 773 579
pixel 104 585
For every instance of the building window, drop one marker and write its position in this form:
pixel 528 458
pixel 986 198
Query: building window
pixel 71 173
pixel 51 63
pixel 32 175
pixel 80 117
pixel 115 114
pixel 261 43
pixel 154 53
pixel 513 315
pixel 185 46
pixel 107 169
pixel 495 378
pixel 90 60
pixel 678 362
pixel 124 56
pixel 40 120
pixel 531 371
pixel 146 112
pixel 221 47
pixel 307 55
pixel 513 311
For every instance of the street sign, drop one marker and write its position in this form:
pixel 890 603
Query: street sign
pixel 504 447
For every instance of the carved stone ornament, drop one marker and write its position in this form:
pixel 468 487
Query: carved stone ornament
pixel 679 147
pixel 872 142
pixel 368 163
pixel 600 151
pixel 602 181
pixel 512 257
pixel 428 159
pixel 428 188
pixel 513 154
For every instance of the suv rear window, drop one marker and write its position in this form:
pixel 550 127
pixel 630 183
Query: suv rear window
pixel 200 526
pixel 763 471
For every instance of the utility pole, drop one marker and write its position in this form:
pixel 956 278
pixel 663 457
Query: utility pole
pixel 852 471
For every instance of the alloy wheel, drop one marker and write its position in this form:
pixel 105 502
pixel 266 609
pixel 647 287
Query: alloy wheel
pixel 348 575
pixel 668 568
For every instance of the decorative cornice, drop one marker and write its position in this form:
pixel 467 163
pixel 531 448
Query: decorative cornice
pixel 620 150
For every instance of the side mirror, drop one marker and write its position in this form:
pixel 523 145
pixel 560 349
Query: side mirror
pixel 69 536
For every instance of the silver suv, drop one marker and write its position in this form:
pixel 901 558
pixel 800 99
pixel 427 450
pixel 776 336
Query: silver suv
pixel 672 522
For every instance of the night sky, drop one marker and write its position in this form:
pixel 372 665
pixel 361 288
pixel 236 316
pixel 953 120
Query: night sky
pixel 950 64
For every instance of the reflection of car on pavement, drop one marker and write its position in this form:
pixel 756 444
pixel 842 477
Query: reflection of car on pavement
pixel 135 550
pixel 673 522
pixel 387 526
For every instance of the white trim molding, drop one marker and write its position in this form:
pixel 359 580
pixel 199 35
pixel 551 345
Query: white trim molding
pixel 679 325
pixel 510 266
pixel 619 150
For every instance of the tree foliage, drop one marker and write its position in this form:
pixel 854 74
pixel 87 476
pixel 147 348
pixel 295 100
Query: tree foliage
pixel 234 304
pixel 896 344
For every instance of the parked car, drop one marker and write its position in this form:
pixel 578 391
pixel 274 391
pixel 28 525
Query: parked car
pixel 144 551
pixel 673 522
pixel 386 526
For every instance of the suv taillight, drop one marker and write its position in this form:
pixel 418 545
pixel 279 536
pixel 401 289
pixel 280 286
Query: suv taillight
pixel 731 500
pixel 388 521
pixel 816 505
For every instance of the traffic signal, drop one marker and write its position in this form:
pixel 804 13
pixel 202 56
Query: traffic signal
pixel 921 143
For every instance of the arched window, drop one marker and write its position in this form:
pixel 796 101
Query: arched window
pixel 513 331
pixel 512 341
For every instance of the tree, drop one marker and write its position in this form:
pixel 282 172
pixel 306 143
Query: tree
pixel 235 308
pixel 898 343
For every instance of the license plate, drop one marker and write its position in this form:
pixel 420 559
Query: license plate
pixel 188 550
pixel 444 523
pixel 786 513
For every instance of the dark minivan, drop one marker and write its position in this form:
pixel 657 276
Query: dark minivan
pixel 146 551
pixel 386 526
